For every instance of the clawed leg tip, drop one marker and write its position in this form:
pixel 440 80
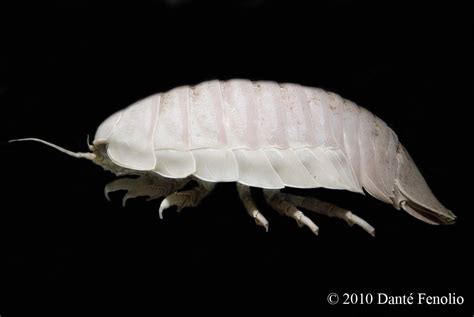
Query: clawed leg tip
pixel 328 209
pixel 261 221
pixel 370 230
pixel 354 219
pixel 264 225
pixel 164 205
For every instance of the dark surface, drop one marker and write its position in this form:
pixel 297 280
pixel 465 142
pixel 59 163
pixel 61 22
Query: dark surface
pixel 65 67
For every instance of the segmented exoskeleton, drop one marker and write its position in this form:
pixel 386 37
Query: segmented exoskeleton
pixel 259 134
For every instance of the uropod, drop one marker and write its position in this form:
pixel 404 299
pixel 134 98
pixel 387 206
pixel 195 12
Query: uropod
pixel 258 134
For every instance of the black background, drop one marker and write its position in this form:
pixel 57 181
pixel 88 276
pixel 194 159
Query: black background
pixel 65 67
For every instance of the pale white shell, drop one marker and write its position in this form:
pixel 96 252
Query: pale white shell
pixel 260 134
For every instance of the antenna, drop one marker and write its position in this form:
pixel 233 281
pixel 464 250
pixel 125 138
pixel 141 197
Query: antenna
pixel 89 156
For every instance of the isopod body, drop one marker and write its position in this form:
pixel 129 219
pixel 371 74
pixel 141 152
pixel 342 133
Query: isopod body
pixel 260 134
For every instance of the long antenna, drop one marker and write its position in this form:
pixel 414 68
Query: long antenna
pixel 89 156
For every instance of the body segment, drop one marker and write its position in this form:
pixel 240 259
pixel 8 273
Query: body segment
pixel 222 130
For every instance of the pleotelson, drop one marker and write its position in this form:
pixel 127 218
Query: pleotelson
pixel 261 134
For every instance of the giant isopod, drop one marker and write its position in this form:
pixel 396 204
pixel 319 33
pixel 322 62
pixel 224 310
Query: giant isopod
pixel 259 134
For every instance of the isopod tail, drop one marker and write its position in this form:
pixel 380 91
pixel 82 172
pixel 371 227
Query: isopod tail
pixel 89 156
pixel 412 193
pixel 389 174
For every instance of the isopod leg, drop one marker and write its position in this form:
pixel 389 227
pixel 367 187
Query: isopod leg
pixel 151 186
pixel 119 184
pixel 187 198
pixel 278 201
pixel 250 207
pixel 324 208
